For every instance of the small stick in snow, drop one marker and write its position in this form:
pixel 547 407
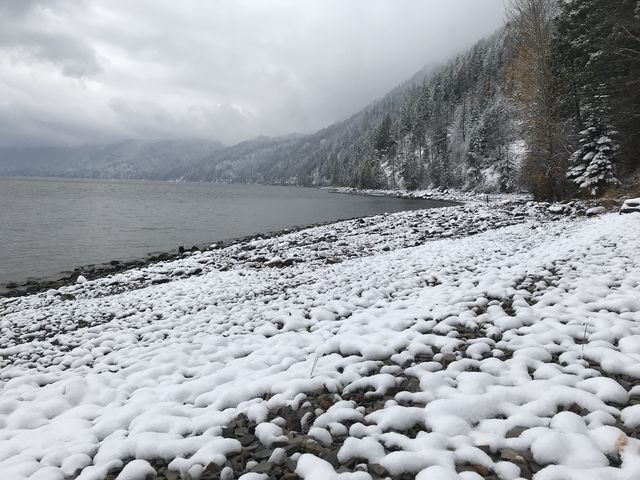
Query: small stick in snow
pixel 313 367
pixel 584 340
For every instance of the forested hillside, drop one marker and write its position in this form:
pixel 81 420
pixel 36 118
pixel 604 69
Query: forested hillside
pixel 549 104
pixel 452 127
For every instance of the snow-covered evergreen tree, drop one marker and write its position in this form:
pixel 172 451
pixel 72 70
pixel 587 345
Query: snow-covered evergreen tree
pixel 592 165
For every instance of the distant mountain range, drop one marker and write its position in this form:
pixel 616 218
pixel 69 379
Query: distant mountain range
pixel 403 139
pixel 129 159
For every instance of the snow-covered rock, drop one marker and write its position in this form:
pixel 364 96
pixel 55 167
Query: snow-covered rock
pixel 595 211
pixel 269 433
pixel 136 470
pixel 557 208
pixel 630 206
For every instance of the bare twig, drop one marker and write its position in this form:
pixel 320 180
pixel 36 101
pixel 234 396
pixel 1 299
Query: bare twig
pixel 313 367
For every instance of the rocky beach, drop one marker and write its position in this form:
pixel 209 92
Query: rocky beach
pixel 491 340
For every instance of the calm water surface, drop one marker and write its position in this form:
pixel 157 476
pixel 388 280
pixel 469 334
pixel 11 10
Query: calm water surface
pixel 49 226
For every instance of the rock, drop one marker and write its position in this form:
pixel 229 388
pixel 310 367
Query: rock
pixel 515 432
pixel 332 261
pixel 311 446
pixel 292 461
pixel 630 206
pixel 160 280
pixel 213 468
pixel 226 473
pixel 275 262
pixel 595 211
pixel 448 358
pixel 261 453
pixel 557 209
pixel 280 443
pixel 81 279
pixel 377 469
pixel 331 456
pixel 247 440
pixel 479 469
pixel 237 462
pixel 278 457
pixel 262 467
pixel 511 455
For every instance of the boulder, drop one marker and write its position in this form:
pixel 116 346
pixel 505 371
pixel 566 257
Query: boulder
pixel 595 211
pixel 557 208
pixel 630 206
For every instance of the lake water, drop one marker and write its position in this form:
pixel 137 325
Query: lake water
pixel 49 226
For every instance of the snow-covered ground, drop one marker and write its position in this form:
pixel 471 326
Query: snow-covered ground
pixel 468 342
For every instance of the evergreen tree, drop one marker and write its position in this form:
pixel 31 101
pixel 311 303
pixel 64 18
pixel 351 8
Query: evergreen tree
pixel 383 139
pixel 370 175
pixel 592 165
pixel 506 172
pixel 412 172
pixel 622 48
pixel 570 55
pixel 597 55
pixel 475 156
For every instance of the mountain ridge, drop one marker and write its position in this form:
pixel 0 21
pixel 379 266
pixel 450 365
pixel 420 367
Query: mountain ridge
pixel 126 159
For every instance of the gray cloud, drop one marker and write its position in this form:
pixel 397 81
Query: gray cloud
pixel 32 31
pixel 75 71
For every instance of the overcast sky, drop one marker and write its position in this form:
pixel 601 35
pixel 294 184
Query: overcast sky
pixel 78 71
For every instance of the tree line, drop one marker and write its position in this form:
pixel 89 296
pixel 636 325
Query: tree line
pixel 577 76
